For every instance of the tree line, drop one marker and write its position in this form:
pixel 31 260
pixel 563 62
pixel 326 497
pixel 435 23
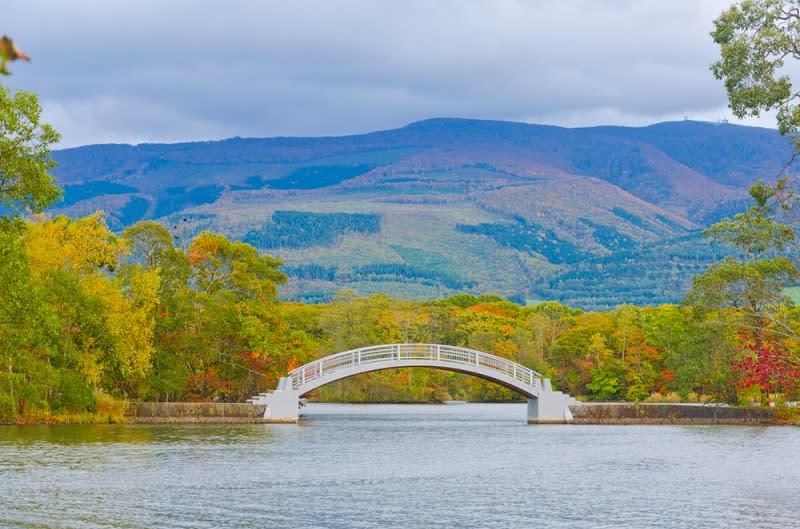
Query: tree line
pixel 91 317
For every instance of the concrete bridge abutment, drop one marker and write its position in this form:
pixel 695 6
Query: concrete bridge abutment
pixel 283 406
pixel 550 407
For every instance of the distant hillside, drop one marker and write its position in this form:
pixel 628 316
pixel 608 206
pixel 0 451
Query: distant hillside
pixel 593 216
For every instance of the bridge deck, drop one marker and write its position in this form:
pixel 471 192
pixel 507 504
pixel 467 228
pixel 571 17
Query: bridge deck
pixel 348 363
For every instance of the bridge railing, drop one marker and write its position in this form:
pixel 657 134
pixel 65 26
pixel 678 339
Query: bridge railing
pixel 399 352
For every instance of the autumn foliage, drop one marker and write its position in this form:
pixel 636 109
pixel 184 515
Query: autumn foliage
pixel 769 368
pixel 91 315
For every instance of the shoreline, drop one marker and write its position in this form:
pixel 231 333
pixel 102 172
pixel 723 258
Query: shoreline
pixel 587 413
pixel 599 413
pixel 672 413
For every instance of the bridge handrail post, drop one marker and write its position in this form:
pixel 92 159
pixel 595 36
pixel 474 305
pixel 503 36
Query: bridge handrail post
pixel 438 353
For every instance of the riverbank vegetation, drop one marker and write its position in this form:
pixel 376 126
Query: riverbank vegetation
pixel 92 316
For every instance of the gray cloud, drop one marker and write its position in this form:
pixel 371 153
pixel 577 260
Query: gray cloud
pixel 181 70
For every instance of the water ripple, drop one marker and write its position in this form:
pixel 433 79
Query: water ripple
pixel 469 466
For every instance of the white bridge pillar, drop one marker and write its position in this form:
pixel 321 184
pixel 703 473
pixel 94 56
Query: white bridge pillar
pixel 283 404
pixel 551 407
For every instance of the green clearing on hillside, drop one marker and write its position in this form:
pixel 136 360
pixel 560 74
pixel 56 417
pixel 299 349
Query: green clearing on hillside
pixel 304 229
pixel 76 193
pixel 528 238
pixel 314 177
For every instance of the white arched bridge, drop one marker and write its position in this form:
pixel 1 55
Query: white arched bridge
pixel 544 404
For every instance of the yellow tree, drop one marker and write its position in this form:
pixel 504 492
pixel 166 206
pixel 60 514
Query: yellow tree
pixel 109 323
pixel 404 322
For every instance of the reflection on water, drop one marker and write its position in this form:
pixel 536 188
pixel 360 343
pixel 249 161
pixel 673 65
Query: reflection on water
pixel 471 465
pixel 132 434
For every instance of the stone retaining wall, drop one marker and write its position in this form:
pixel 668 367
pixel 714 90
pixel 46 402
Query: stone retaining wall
pixel 189 412
pixel 587 413
pixel 627 413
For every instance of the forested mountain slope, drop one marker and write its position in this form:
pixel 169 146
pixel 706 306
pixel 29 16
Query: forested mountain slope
pixel 593 216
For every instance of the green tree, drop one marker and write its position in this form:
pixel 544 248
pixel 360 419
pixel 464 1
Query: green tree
pixel 27 326
pixel 752 284
pixel 755 39
pixel 149 243
pixel 758 232
pixel 26 184
pixel 235 267
pixel 744 293
pixel 751 289
pixel 607 381
pixel 34 377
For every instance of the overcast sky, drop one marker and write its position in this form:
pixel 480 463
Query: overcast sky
pixel 142 70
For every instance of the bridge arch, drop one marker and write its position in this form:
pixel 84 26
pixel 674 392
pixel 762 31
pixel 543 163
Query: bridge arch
pixel 544 404
pixel 507 373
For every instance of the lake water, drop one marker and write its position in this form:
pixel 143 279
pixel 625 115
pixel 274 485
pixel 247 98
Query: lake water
pixel 409 466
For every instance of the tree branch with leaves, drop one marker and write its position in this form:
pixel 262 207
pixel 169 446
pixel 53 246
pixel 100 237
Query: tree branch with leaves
pixel 756 37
